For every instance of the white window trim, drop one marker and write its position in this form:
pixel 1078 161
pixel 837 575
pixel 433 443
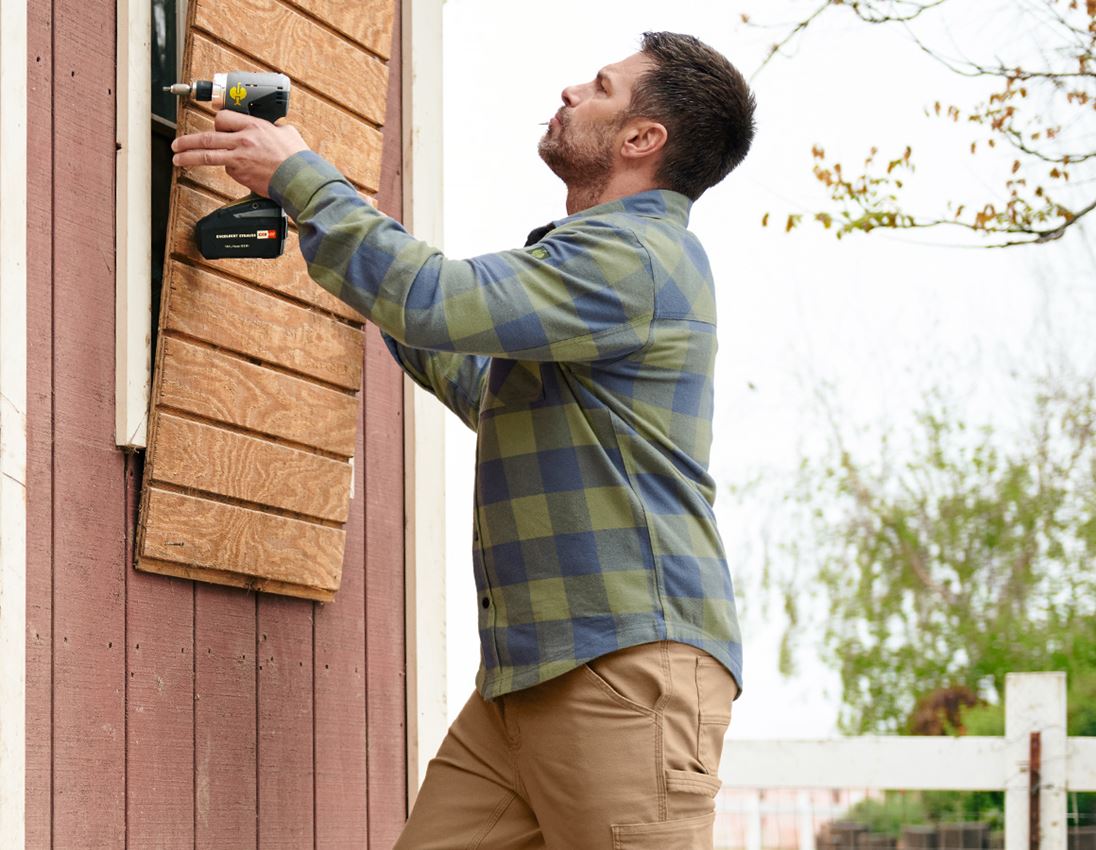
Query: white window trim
pixel 133 211
pixel 13 422
pixel 133 217
pixel 424 424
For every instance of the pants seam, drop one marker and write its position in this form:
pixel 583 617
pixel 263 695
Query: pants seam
pixel 502 806
pixel 660 725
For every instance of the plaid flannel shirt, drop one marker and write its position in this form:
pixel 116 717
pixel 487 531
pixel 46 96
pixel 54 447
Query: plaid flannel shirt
pixel 584 363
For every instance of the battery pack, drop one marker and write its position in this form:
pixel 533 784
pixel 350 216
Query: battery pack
pixel 254 227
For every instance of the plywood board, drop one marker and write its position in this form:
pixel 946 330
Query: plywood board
pixel 286 275
pixel 258 374
pixel 260 547
pixel 333 132
pixel 303 47
pixel 219 386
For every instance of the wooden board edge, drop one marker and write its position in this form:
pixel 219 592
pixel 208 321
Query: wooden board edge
pixel 230 579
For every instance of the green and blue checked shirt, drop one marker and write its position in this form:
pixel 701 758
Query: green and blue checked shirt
pixel 584 363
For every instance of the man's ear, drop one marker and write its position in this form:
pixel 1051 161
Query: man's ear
pixel 643 138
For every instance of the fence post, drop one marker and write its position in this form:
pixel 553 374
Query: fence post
pixel 753 821
pixel 805 809
pixel 1035 702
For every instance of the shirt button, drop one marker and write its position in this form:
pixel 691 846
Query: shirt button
pixel 486 602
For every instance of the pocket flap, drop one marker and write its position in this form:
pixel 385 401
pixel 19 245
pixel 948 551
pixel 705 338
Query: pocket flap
pixel 692 783
pixel 686 832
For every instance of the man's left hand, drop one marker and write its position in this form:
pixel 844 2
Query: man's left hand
pixel 250 149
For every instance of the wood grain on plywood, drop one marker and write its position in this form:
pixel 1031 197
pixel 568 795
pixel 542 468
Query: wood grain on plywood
pixel 250 322
pixel 287 274
pixel 200 456
pixel 206 382
pixel 194 531
pixel 344 139
pixel 369 24
pixel 297 45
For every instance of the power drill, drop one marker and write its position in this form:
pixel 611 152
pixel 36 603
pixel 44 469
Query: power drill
pixel 253 227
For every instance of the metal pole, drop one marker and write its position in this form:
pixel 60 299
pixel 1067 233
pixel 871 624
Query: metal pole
pixel 1034 769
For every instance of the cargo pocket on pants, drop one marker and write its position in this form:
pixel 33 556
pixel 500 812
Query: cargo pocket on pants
pixel 684 834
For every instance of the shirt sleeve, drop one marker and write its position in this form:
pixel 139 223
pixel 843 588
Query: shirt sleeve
pixel 583 293
pixel 456 380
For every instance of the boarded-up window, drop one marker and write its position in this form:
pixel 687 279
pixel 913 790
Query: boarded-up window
pixel 258 370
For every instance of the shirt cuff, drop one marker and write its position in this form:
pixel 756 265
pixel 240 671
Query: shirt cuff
pixel 299 178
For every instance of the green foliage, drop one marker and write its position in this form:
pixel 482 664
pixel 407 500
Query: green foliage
pixel 898 809
pixel 952 559
pixel 965 806
pixel 888 815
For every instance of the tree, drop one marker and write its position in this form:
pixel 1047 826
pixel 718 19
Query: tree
pixel 953 558
pixel 1041 111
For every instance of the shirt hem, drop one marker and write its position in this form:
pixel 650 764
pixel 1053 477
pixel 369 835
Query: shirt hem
pixel 492 690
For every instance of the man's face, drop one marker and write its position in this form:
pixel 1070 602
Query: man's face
pixel 583 139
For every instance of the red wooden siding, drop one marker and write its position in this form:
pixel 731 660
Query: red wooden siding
pixel 163 713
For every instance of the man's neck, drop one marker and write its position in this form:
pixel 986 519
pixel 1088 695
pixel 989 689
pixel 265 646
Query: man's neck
pixel 618 186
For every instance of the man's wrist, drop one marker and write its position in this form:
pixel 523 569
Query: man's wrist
pixel 296 181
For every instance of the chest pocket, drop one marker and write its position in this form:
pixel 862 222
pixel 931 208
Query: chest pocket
pixel 512 383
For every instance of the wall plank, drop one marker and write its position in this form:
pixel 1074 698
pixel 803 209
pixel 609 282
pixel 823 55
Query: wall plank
pixel 387 673
pixel 88 496
pixel 160 711
pixel 342 791
pixel 39 716
pixel 225 774
pixel 285 722
pixel 218 386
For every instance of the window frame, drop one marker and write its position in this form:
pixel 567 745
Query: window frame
pixel 133 216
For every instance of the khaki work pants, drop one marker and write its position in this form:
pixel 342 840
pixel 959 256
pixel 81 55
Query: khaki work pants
pixel 618 754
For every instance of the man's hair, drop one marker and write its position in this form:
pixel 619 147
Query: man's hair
pixel 705 105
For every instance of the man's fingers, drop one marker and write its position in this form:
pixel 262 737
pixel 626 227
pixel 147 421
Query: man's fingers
pixel 208 139
pixel 226 119
pixel 204 156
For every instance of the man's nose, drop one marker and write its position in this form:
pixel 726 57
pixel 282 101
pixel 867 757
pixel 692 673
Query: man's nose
pixel 572 95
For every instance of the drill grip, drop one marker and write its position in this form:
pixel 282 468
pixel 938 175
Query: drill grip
pixel 264 95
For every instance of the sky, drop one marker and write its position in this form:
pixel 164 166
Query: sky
pixel 876 319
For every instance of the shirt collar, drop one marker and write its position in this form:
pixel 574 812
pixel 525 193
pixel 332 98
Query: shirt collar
pixel 654 203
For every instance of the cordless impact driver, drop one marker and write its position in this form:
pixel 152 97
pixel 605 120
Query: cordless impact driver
pixel 254 226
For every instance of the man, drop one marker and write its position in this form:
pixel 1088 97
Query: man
pixel 610 648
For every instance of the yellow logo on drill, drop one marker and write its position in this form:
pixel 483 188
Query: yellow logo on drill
pixel 237 93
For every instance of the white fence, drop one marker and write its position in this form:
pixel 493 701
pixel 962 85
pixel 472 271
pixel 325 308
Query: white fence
pixel 1035 735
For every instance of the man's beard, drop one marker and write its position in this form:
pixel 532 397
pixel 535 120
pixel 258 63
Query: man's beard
pixel 583 162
